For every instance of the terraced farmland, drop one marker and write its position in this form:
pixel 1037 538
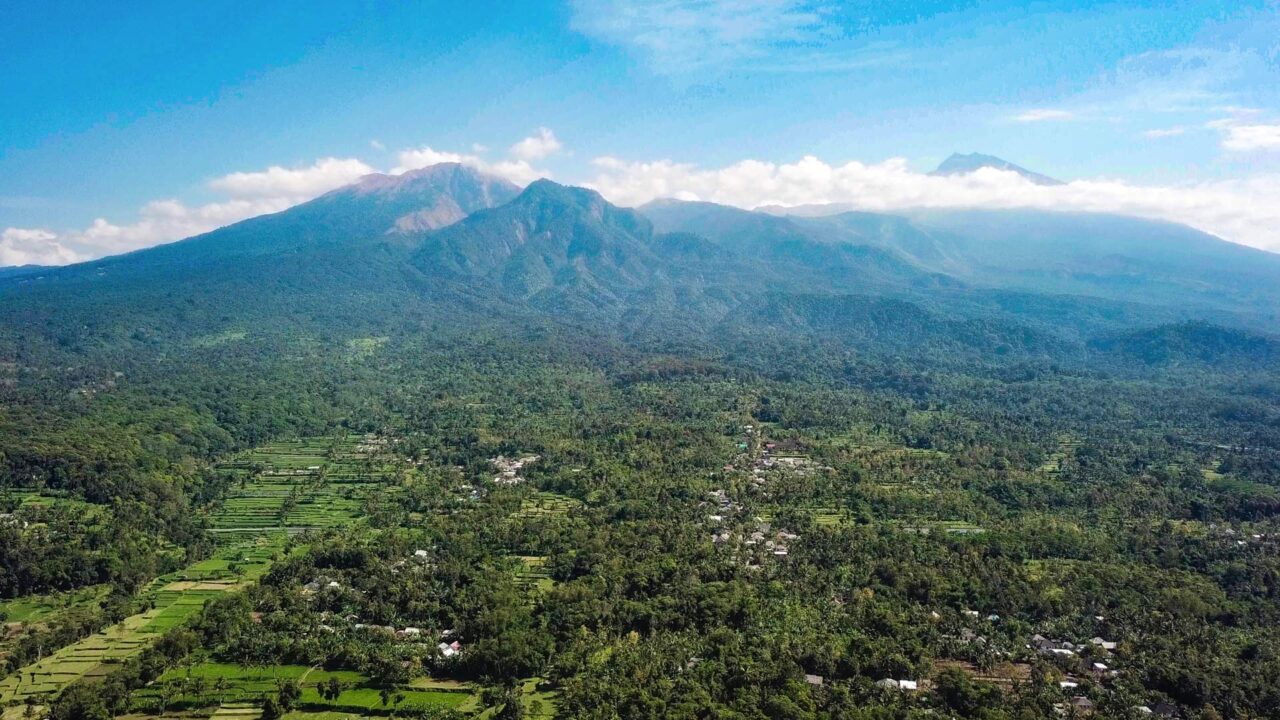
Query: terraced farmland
pixel 278 490
pixel 548 504
pixel 291 487
pixel 173 599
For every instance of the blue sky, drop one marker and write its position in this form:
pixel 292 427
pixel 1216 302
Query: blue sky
pixel 132 117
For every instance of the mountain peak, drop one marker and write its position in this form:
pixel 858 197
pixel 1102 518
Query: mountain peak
pixel 425 198
pixel 432 175
pixel 962 164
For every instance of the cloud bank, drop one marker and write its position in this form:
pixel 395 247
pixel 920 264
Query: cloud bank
pixel 1246 211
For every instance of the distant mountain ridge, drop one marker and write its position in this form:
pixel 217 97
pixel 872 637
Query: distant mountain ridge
pixel 962 164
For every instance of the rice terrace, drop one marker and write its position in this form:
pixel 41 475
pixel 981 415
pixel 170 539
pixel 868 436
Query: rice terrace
pixel 277 492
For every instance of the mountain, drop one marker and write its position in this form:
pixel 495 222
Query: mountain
pixel 789 253
pixel 959 164
pixel 450 247
pixel 338 262
pixel 15 270
pixel 1109 256
pixel 1180 272
pixel 549 237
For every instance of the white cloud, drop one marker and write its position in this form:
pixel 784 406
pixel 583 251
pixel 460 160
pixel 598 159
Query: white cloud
pixel 1245 210
pixel 518 171
pixel 679 36
pixel 34 246
pixel 1245 138
pixel 415 158
pixel 322 176
pixel 248 194
pixel 376 144
pixel 1043 115
pixel 536 147
pixel 1159 133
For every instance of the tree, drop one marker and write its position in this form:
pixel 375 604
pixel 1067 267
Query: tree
pixel 332 689
pixel 288 695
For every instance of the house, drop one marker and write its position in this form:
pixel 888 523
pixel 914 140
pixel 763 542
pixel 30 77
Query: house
pixel 1104 644
pixel 891 684
pixel 1082 703
pixel 422 554
pixel 448 650
pixel 1164 709
pixel 813 679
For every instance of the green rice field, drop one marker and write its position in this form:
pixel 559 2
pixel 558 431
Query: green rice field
pixel 240 690
pixel 278 490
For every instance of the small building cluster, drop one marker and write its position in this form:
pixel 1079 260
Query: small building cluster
pixel 509 468
pixel 903 685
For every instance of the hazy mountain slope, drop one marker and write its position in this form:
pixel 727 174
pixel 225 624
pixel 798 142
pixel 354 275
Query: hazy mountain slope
pixel 1124 259
pixel 886 325
pixel 791 254
pixel 15 270
pixel 1107 256
pixel 1193 343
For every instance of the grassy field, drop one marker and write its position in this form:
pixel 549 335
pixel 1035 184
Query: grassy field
pixel 37 608
pixel 239 690
pixel 173 599
pixel 280 489
pixel 548 504
pixel 532 575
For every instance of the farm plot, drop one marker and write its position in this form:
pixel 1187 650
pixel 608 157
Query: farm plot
pixel 172 600
pixel 532 575
pixel 236 689
pixel 280 489
pixel 548 504
pixel 291 487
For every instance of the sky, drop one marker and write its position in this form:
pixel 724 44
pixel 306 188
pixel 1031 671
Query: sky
pixel 124 125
